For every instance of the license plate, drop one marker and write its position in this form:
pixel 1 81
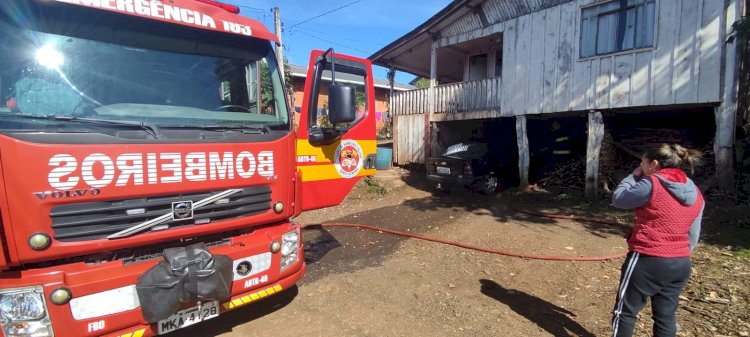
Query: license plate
pixel 443 170
pixel 189 317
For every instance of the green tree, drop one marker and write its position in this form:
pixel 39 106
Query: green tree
pixel 360 97
pixel 288 79
pixel 422 83
pixel 741 30
pixel 266 89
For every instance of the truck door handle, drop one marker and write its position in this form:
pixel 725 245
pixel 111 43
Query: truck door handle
pixel 370 161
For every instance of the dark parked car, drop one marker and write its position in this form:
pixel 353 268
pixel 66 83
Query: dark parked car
pixel 470 165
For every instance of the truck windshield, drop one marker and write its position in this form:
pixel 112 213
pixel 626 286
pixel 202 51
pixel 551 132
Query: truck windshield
pixel 138 78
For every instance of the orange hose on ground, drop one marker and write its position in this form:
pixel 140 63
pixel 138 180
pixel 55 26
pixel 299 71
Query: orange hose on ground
pixel 570 217
pixel 489 250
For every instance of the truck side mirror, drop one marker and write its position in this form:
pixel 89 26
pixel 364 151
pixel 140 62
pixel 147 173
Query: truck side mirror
pixel 341 104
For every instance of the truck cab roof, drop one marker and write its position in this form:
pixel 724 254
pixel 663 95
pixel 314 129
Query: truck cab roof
pixel 208 15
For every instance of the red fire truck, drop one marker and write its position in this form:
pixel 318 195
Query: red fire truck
pixel 149 166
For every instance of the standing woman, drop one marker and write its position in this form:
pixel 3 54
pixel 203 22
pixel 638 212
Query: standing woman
pixel 668 209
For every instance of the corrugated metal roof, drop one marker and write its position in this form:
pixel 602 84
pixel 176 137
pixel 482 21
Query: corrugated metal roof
pixel 423 29
pixel 464 24
pixel 301 72
pixel 460 16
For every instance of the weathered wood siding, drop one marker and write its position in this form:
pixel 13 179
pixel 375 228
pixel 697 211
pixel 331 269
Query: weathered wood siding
pixel 543 73
pixel 409 147
pixel 410 102
pixel 452 99
pixel 497 11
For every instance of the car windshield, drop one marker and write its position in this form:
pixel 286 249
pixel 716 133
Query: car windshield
pixel 138 78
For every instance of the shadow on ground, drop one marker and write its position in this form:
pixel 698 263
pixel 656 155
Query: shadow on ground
pixel 506 205
pixel 555 320
pixel 725 223
pixel 366 248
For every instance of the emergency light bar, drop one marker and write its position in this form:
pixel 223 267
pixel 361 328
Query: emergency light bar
pixel 227 7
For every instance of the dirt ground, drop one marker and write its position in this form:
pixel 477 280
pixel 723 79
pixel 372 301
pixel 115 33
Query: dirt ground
pixel 364 283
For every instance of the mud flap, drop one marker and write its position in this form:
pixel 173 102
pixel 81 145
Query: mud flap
pixel 185 275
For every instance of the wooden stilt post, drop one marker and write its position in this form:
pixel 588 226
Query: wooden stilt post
pixel 389 118
pixel 726 113
pixel 523 151
pixel 431 102
pixel 595 135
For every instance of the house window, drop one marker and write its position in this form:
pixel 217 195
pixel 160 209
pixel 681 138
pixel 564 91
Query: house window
pixel 478 67
pixel 617 26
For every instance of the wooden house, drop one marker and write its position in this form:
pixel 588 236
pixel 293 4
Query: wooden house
pixel 509 69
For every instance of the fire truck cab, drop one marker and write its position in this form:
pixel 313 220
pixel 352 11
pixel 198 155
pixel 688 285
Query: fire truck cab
pixel 149 166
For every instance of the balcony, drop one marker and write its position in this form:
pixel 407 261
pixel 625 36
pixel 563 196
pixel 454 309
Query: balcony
pixel 455 101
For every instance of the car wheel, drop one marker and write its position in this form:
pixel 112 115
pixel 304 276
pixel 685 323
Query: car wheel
pixel 488 184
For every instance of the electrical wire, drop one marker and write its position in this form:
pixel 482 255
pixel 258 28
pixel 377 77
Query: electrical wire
pixel 252 8
pixel 331 42
pixel 326 13
pixel 321 33
pixel 257 12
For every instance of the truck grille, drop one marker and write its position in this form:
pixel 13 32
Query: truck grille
pixel 97 220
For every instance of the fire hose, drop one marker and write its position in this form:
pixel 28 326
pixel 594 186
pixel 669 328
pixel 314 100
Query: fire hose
pixel 492 250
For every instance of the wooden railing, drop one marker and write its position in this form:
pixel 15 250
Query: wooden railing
pixel 450 98
pixel 410 102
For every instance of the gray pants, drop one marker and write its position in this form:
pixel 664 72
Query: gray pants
pixel 643 277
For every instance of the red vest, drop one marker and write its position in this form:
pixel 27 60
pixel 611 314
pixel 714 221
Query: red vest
pixel 662 224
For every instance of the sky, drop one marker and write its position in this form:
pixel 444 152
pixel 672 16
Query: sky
pixel 359 28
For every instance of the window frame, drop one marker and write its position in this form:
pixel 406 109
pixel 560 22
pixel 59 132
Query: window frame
pixel 594 37
pixel 342 66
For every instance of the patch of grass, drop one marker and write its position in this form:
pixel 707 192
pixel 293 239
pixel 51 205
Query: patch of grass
pixel 375 186
pixel 742 252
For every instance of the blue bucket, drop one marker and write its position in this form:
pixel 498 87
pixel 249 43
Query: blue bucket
pixel 384 158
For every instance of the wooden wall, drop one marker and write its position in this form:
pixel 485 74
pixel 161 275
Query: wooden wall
pixel 543 73
pixel 498 11
pixel 408 144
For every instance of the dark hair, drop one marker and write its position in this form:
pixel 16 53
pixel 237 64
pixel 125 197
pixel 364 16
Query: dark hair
pixel 674 156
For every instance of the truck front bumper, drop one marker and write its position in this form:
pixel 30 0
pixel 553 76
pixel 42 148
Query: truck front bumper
pixel 449 182
pixel 88 280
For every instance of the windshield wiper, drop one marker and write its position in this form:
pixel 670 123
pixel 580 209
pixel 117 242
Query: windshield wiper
pixel 248 129
pixel 150 128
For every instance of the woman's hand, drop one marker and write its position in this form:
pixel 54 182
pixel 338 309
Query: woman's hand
pixel 638 172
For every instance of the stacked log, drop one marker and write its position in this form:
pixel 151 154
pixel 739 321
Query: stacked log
pixel 620 154
pixel 571 174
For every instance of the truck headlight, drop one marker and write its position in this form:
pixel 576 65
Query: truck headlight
pixel 289 248
pixel 23 312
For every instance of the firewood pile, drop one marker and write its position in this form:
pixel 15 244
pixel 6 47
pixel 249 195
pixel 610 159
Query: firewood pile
pixel 566 175
pixel 613 165
pixel 637 138
pixel 620 153
pixel 630 145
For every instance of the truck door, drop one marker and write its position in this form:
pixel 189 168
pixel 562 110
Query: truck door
pixel 332 157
